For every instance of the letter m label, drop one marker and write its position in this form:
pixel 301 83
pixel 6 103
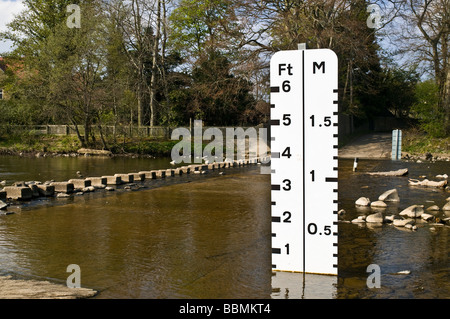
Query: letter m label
pixel 319 66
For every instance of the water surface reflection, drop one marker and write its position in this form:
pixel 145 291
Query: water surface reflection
pixel 209 237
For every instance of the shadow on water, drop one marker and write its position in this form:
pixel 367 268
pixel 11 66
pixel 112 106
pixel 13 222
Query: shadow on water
pixel 209 237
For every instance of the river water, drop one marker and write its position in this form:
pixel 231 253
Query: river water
pixel 209 236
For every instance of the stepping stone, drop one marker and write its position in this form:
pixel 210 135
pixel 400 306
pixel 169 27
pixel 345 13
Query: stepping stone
pixel 98 181
pixel 161 173
pixel 113 180
pixel 126 178
pixel 138 177
pixel 149 174
pixel 80 182
pixel 18 192
pixel 63 187
pixel 170 172
pixel 185 169
pixel 46 190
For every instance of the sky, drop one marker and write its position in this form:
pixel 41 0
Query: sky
pixel 8 8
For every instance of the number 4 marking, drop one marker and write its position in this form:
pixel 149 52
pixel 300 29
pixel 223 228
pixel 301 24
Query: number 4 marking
pixel 287 152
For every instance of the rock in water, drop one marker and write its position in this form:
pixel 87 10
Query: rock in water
pixel 362 201
pixel 426 217
pixel 433 208
pixel 3 205
pixel 403 222
pixel 400 172
pixel 378 204
pixel 446 206
pixel 375 218
pixel 413 211
pixel 390 196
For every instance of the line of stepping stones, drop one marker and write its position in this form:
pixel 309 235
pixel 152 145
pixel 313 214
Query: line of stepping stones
pixel 29 190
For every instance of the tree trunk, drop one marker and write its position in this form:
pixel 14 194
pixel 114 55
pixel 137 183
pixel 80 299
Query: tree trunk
pixel 154 65
pixel 77 131
pixel 446 102
pixel 139 107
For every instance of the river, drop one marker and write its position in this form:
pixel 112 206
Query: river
pixel 209 236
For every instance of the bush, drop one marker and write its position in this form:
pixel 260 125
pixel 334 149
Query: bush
pixel 426 110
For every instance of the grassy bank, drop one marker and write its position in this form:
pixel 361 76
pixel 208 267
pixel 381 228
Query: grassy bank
pixel 54 144
pixel 416 142
pixel 30 144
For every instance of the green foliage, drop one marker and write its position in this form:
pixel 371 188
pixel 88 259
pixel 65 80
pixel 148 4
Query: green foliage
pixel 416 141
pixel 387 92
pixel 398 90
pixel 209 64
pixel 426 109
pixel 145 146
pixel 215 95
pixel 199 25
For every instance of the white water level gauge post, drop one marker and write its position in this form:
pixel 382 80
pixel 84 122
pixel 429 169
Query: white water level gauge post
pixel 304 176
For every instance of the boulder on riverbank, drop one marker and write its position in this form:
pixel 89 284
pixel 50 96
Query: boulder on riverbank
pixel 88 151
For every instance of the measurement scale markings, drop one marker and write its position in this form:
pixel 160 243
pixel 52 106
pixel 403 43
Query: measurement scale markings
pixel 274 122
pixel 297 253
pixel 274 89
pixel 304 160
pixel 276 219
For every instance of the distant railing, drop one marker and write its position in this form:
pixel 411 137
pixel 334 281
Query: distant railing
pixel 108 130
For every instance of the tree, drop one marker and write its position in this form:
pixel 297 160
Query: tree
pixel 426 108
pixel 339 25
pixel 144 32
pixel 424 40
pixel 76 68
pixel 219 98
pixel 198 26
pixel 206 34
